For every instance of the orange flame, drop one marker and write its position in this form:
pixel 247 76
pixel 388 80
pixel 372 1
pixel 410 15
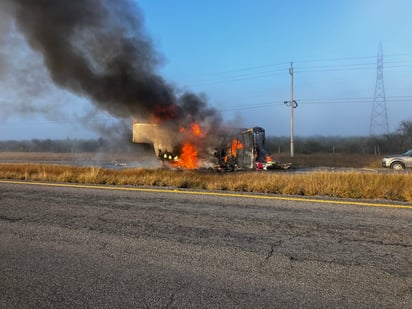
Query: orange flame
pixel 196 129
pixel 236 145
pixel 188 153
pixel 188 157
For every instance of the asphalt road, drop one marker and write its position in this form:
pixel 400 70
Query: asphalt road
pixel 68 247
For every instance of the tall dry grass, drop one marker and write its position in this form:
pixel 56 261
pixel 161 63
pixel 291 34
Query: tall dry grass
pixel 358 185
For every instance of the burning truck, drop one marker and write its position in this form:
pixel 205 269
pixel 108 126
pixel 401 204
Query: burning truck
pixel 100 51
pixel 192 148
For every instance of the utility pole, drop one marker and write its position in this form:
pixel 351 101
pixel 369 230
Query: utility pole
pixel 293 104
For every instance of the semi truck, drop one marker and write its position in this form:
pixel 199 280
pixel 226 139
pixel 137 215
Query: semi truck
pixel 228 150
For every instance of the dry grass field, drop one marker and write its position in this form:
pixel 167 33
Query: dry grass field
pixel 351 183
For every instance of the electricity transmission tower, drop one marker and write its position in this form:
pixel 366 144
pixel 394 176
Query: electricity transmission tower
pixel 379 118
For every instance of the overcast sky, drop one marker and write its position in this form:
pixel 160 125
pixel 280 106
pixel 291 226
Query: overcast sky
pixel 238 54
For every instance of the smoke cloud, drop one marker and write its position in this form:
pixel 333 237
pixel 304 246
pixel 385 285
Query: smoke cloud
pixel 99 49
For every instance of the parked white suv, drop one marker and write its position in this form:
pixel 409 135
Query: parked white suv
pixel 398 162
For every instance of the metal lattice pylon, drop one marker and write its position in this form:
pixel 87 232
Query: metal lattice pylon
pixel 379 118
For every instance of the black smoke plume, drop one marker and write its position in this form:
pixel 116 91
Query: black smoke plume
pixel 99 49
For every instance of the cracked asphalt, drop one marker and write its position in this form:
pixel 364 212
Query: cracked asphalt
pixel 89 248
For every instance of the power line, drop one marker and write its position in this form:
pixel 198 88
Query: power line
pixel 286 63
pixel 354 100
pixel 257 72
pixel 239 77
pixel 317 101
pixel 348 68
pixel 349 58
pixel 248 68
pixel 251 106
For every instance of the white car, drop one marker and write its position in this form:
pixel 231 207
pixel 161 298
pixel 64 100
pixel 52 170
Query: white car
pixel 398 162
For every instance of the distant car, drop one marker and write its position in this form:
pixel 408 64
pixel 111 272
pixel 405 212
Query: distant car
pixel 398 162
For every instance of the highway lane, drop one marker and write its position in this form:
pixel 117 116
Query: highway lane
pixel 103 248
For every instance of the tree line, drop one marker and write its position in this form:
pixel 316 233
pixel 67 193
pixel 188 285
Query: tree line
pixel 68 145
pixel 396 142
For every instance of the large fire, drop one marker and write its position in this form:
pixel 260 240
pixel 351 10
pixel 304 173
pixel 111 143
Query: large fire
pixel 188 154
pixel 192 146
pixel 236 145
pixel 188 157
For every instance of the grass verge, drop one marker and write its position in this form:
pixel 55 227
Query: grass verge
pixel 358 185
